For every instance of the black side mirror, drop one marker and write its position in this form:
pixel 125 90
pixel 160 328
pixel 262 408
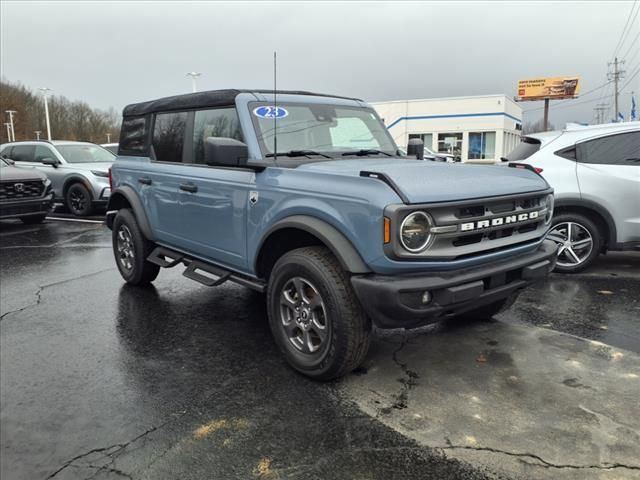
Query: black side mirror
pixel 225 151
pixel 50 161
pixel 415 147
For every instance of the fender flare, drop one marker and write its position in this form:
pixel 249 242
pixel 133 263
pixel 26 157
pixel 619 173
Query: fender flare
pixel 339 245
pixel 75 178
pixel 599 209
pixel 130 196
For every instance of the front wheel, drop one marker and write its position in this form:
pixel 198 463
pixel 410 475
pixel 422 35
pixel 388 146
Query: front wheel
pixel 579 242
pixel 315 317
pixel 131 249
pixel 78 200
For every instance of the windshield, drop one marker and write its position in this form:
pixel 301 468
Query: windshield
pixel 326 129
pixel 85 153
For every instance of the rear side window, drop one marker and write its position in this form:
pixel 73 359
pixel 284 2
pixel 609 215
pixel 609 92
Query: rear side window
pixel 168 136
pixel 221 122
pixel 23 153
pixel 528 146
pixel 620 149
pixel 133 136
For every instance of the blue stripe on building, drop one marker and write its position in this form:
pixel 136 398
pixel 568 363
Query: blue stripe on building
pixel 455 115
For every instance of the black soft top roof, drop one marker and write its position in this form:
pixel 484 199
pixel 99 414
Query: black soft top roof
pixel 209 99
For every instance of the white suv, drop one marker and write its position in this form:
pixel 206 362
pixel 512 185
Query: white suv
pixel 595 174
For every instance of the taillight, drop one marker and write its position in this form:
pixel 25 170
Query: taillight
pixel 110 180
pixel 537 169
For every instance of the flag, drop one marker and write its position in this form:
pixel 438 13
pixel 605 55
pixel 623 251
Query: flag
pixel 634 113
pixel 620 117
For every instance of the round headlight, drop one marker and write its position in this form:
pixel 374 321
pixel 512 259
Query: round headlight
pixel 549 205
pixel 415 231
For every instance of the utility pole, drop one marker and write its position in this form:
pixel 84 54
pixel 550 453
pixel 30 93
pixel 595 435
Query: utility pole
pixel 8 125
pixel 13 132
pixel 37 132
pixel 616 75
pixel 193 76
pixel 600 109
pixel 108 137
pixel 45 91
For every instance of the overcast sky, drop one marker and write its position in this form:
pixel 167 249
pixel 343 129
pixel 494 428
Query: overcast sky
pixel 113 53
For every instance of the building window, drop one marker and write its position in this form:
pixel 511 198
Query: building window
pixel 482 145
pixel 450 143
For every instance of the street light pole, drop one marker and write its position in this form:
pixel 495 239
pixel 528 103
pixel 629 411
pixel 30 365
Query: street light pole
pixel 108 137
pixel 45 91
pixel 13 132
pixel 37 132
pixel 8 125
pixel 193 76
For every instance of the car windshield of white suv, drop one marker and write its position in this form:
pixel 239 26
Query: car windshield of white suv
pixel 320 130
pixel 85 153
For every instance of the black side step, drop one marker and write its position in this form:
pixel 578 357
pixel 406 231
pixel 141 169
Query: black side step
pixel 219 276
pixel 202 272
pixel 160 254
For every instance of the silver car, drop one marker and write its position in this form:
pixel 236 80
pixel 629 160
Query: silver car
pixel 79 171
pixel 595 174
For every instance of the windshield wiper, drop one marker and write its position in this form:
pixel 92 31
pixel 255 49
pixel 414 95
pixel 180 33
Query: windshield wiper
pixel 366 151
pixel 298 153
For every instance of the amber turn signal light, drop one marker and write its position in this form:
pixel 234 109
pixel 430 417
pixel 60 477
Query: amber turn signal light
pixel 387 230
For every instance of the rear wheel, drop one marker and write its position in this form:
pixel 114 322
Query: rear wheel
pixel 131 249
pixel 314 315
pixel 579 241
pixel 78 200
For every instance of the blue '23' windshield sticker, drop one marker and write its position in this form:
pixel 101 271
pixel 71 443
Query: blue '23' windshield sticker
pixel 270 112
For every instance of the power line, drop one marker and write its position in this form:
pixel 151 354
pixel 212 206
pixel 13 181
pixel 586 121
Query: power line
pixel 632 43
pixel 581 95
pixel 630 79
pixel 624 33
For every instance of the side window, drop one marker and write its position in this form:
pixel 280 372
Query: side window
pixel 221 122
pixel 42 153
pixel 568 153
pixel 168 136
pixel 23 153
pixel 621 149
pixel 133 135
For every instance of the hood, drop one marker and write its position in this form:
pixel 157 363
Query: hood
pixel 14 174
pixel 426 182
pixel 101 166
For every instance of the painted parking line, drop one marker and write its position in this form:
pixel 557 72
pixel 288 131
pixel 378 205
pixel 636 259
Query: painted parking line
pixel 79 220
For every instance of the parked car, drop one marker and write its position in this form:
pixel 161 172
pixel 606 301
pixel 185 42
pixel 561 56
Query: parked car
pixel 78 170
pixel 112 147
pixel 595 173
pixel 334 226
pixel 24 193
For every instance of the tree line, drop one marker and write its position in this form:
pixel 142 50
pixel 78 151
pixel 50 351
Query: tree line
pixel 69 119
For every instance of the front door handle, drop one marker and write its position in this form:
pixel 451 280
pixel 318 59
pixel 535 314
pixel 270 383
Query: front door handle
pixel 144 180
pixel 188 187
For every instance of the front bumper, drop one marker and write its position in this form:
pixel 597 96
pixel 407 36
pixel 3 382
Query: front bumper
pixel 26 207
pixel 395 301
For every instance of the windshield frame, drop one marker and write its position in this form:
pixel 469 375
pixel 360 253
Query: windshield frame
pixel 334 154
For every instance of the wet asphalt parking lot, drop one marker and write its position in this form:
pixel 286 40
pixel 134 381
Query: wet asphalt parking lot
pixel 99 380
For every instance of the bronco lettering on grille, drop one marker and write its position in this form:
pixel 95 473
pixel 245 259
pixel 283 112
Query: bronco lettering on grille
pixel 498 221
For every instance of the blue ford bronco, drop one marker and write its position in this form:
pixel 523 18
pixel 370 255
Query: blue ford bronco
pixel 307 198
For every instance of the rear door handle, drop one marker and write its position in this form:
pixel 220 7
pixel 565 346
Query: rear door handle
pixel 144 180
pixel 188 187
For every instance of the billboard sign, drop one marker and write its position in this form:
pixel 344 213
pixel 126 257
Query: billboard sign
pixel 555 88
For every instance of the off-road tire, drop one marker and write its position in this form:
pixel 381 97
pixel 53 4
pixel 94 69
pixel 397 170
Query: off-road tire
pixel 78 200
pixel 33 219
pixel 596 236
pixel 141 272
pixel 349 329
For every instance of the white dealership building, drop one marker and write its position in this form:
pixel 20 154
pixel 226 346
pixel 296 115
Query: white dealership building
pixel 476 129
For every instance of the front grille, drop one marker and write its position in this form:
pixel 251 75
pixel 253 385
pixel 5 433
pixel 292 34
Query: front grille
pixel 475 230
pixel 16 190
